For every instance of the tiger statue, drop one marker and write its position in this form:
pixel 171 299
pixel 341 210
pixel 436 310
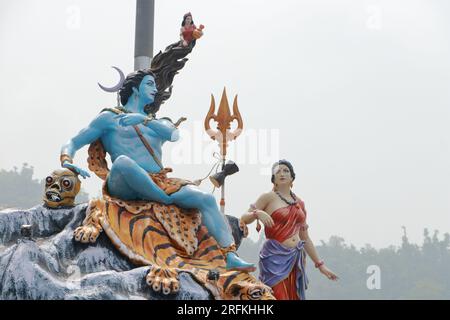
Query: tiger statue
pixel 246 287
pixel 167 238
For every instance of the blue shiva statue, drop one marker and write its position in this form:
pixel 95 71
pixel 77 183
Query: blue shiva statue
pixel 132 162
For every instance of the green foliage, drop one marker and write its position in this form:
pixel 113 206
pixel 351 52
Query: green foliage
pixel 406 272
pixel 18 189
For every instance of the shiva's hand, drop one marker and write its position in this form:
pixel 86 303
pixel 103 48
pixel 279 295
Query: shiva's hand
pixel 130 119
pixel 75 169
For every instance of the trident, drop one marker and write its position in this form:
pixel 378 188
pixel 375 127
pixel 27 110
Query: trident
pixel 223 134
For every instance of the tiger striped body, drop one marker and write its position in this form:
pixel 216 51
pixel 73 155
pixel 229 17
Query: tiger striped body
pixel 151 234
pixel 168 238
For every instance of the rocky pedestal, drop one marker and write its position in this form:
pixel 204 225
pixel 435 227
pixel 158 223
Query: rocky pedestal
pixel 49 264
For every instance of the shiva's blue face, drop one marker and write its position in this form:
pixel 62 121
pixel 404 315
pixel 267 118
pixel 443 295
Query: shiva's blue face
pixel 147 89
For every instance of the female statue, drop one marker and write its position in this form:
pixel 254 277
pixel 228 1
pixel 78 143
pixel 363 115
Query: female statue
pixel 282 258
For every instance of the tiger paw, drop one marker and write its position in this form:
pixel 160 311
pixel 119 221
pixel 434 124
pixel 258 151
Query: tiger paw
pixel 163 280
pixel 87 233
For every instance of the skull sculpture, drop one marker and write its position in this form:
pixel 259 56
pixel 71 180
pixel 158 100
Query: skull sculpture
pixel 61 188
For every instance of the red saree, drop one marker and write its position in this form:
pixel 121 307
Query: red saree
pixel 288 221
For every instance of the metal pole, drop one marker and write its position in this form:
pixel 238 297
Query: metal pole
pixel 222 193
pixel 143 44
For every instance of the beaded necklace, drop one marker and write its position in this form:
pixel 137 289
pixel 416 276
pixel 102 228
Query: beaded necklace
pixel 286 200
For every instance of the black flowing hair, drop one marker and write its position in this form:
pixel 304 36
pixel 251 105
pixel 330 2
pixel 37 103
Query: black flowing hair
pixel 165 65
pixel 287 164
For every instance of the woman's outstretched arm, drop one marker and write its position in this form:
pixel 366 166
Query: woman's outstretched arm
pixel 312 253
pixel 256 211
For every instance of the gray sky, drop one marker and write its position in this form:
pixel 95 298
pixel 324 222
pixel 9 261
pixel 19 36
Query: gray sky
pixel 354 93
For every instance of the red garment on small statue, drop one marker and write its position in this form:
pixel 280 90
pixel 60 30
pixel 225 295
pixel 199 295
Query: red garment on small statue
pixel 188 32
pixel 287 222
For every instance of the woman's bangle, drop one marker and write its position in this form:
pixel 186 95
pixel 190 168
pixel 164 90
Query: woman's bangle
pixel 319 264
pixel 254 211
pixel 255 215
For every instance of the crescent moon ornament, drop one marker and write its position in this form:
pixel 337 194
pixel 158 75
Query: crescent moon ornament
pixel 116 87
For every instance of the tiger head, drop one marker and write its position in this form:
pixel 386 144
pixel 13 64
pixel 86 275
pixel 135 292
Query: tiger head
pixel 246 290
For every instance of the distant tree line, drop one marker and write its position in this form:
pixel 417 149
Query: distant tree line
pixel 407 272
pixel 18 189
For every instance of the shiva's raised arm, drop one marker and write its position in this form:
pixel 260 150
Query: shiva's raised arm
pixel 86 136
pixel 165 128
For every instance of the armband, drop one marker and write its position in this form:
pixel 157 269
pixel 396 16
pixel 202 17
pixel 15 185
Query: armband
pixel 147 120
pixel 319 264
pixel 65 157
